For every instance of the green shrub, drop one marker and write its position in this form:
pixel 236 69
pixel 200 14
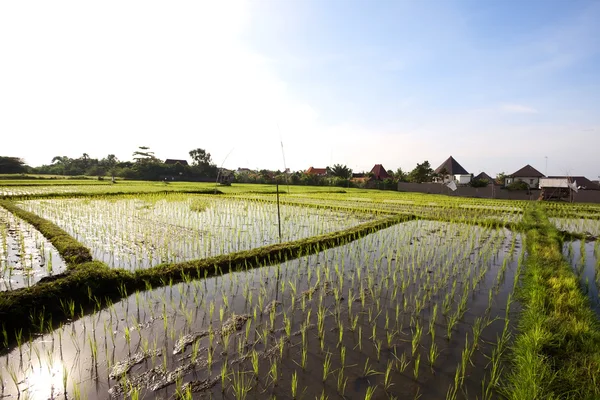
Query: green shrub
pixel 518 185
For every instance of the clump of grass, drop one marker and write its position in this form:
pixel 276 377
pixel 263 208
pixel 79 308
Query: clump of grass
pixel 199 205
pixel 557 351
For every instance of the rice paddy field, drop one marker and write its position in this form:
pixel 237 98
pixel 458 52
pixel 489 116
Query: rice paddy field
pixel 145 290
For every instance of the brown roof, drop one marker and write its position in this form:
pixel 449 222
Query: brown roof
pixel 316 171
pixel 527 172
pixel 452 166
pixel 173 161
pixel 581 181
pixel 379 172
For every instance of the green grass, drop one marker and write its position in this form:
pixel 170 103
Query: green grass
pixel 556 354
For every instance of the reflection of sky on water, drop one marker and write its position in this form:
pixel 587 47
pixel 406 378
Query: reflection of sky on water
pixel 43 379
pixel 586 269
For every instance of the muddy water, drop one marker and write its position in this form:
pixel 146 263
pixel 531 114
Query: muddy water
pixel 356 308
pixel 143 232
pixel 583 257
pixel 25 255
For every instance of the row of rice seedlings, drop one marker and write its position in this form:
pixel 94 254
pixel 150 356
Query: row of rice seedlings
pixel 138 233
pixel 459 212
pixel 581 225
pixel 269 330
pixel 25 255
pixel 584 258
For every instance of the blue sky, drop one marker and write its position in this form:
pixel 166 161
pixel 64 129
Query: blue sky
pixel 496 84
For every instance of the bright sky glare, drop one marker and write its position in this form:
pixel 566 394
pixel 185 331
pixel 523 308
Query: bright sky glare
pixel 497 84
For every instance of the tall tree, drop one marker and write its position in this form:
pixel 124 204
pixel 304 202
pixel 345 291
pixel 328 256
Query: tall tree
pixel 421 173
pixel 500 177
pixel 12 165
pixel 200 157
pixel 340 171
pixel 400 175
pixel 144 155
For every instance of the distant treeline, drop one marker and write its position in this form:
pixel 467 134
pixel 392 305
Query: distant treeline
pixel 145 166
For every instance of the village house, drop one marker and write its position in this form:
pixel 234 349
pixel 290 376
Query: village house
pixel 527 174
pixel 379 173
pixel 451 170
pixel 316 171
pixel 172 161
pixel 484 177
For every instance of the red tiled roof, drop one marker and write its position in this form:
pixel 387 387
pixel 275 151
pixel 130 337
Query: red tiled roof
pixel 379 172
pixel 316 171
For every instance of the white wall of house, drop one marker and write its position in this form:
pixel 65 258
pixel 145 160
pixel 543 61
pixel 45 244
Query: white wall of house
pixel 533 182
pixel 554 182
pixel 462 179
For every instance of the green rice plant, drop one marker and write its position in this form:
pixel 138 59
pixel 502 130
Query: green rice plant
pixel 416 337
pixel 254 360
pixel 209 357
pixel 368 369
pixel 477 329
pixel 416 366
pixel 304 357
pixel 342 382
pixel 281 347
pixel 378 344
pixel 294 385
pixel 433 354
pixel 370 392
pixel 343 356
pixel 273 373
pixel 387 377
pixel 389 335
pixel 195 348
pixel 354 323
pixel 326 366
pixel 359 337
pixel 401 362
pixel 452 320
pixel 241 386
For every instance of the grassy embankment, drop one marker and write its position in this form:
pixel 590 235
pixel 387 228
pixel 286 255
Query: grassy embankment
pixel 556 353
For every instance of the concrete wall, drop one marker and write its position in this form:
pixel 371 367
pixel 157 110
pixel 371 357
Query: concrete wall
pixel 584 196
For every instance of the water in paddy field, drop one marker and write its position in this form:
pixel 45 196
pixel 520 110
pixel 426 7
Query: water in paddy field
pixel 584 259
pixel 578 225
pixel 25 255
pixel 360 317
pixel 134 233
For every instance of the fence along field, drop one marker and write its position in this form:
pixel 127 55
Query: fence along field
pixel 418 310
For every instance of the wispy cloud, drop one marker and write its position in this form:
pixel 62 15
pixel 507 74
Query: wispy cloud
pixel 518 108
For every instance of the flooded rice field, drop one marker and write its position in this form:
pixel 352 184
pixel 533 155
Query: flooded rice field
pixel 141 232
pixel 583 256
pixel 590 227
pixel 418 310
pixel 25 255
